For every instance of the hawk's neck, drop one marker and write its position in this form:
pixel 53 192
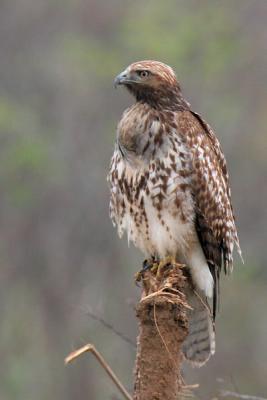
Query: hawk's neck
pixel 163 98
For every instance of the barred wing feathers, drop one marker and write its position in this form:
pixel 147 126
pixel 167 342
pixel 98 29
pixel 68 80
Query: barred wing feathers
pixel 214 214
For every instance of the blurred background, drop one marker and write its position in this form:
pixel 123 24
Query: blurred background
pixel 60 256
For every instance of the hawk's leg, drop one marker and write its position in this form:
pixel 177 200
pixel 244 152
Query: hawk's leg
pixel 156 266
pixel 159 268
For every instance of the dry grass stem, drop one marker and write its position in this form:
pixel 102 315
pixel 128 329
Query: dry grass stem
pixel 90 348
pixel 226 393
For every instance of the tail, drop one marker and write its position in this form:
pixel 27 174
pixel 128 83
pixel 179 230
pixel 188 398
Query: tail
pixel 200 342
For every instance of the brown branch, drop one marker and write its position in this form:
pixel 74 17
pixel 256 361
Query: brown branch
pixel 90 348
pixel 163 327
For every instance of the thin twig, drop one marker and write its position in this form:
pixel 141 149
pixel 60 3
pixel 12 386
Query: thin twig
pixel 90 348
pixel 193 386
pixel 226 393
pixel 203 303
pixel 111 328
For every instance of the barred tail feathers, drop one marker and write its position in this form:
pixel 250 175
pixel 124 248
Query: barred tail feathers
pixel 200 342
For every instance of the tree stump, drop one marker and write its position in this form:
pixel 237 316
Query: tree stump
pixel 163 326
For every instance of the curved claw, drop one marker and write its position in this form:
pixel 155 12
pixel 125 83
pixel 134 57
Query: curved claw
pixel 148 264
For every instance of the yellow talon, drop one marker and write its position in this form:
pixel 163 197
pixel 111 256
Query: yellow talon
pixel 163 263
pixel 156 268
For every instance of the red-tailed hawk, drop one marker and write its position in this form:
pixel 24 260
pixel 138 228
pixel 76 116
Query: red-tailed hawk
pixel 170 189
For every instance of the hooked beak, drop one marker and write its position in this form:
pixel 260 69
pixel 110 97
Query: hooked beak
pixel 120 79
pixel 123 78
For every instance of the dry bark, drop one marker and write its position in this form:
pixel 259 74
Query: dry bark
pixel 163 326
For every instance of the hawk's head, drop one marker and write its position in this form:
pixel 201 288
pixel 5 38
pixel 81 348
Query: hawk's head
pixel 150 81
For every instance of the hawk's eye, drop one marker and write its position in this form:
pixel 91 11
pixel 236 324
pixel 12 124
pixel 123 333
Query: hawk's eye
pixel 143 74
